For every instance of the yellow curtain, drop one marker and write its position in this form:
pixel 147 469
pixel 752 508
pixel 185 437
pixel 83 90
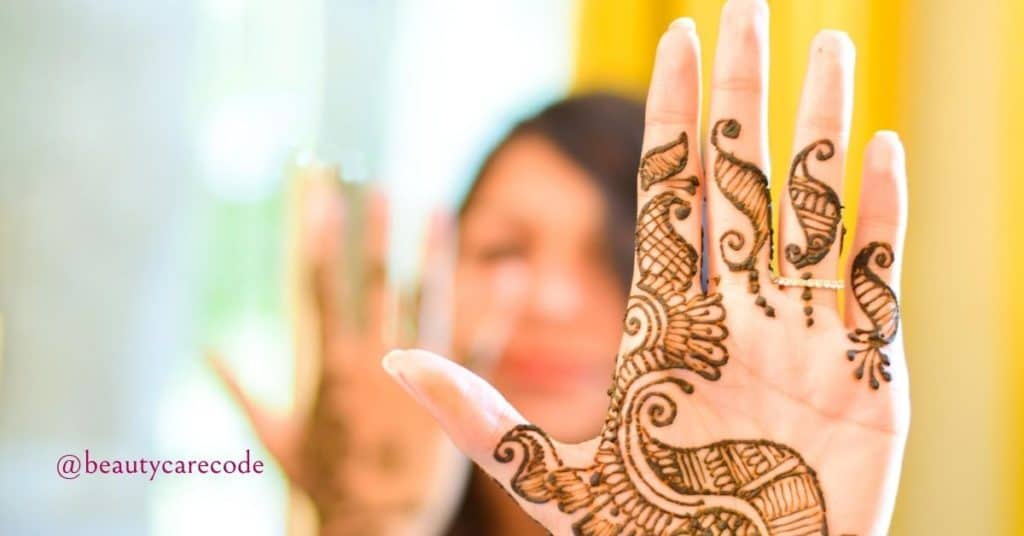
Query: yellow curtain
pixel 1011 178
pixel 948 75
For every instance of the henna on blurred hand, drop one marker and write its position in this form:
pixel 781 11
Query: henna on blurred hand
pixel 328 446
pixel 638 484
pixel 819 212
pixel 878 302
pixel 746 187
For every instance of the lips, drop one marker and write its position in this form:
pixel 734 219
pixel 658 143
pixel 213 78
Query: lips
pixel 548 370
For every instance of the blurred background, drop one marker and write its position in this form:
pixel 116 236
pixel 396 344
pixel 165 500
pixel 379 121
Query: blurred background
pixel 144 159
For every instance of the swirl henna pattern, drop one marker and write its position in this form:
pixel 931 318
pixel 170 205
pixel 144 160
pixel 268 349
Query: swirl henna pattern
pixel 819 212
pixel 637 483
pixel 746 187
pixel 878 302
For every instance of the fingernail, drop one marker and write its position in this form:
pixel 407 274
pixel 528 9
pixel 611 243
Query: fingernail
pixel 890 134
pixel 886 154
pixel 684 23
pixel 836 43
pixel 391 362
pixel 395 363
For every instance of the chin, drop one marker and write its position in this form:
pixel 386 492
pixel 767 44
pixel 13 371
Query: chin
pixel 567 416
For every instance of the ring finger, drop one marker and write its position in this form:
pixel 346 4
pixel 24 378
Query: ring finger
pixel 811 209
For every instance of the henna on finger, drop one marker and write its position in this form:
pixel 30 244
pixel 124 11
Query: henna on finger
pixel 665 162
pixel 878 302
pixel 818 210
pixel 746 187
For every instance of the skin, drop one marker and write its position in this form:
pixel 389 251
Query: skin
pixel 535 297
pixel 537 221
pixel 365 471
pixel 785 381
pixel 531 247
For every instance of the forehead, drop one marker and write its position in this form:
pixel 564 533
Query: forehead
pixel 531 180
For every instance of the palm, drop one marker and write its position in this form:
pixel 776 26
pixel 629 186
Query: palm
pixel 364 453
pixel 799 392
pixel 743 404
pixel 678 456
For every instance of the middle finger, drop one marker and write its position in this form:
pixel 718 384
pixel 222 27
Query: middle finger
pixel 738 199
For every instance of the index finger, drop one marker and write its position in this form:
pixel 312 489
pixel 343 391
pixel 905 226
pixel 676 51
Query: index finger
pixel 668 229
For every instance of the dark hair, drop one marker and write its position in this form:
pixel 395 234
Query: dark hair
pixel 601 133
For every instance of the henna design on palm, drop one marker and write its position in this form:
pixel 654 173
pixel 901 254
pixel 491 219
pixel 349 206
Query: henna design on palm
pixel 878 302
pixel 719 422
pixel 638 484
pixel 746 187
pixel 677 331
pixel 818 210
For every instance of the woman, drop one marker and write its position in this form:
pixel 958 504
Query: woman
pixel 541 274
pixel 554 206
pixel 742 403
pixel 746 403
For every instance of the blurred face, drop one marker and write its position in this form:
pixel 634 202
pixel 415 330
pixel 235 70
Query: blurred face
pixel 539 307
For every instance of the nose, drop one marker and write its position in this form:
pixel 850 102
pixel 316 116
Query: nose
pixel 556 293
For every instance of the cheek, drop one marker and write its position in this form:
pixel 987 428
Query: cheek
pixel 471 291
pixel 606 304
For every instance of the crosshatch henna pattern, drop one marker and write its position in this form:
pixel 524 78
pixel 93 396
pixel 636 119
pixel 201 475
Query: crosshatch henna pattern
pixel 639 484
pixel 818 210
pixel 746 187
pixel 878 302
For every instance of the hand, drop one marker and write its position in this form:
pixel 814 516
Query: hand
pixel 740 405
pixel 370 459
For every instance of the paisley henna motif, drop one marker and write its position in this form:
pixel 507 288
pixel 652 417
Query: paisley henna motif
pixel 816 206
pixel 819 212
pixel 878 302
pixel 746 187
pixel 667 261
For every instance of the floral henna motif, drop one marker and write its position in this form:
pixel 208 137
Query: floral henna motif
pixel 746 187
pixel 878 302
pixel 638 484
pixel 819 212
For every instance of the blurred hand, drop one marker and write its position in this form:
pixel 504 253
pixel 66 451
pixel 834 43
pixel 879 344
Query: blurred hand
pixel 749 404
pixel 369 458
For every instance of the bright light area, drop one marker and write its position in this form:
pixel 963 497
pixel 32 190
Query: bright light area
pixel 460 75
pixel 199 420
pixel 245 143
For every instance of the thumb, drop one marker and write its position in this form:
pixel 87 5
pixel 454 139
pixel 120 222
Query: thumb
pixel 277 433
pixel 478 419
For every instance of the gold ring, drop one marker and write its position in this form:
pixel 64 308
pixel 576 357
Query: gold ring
pixel 835 284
